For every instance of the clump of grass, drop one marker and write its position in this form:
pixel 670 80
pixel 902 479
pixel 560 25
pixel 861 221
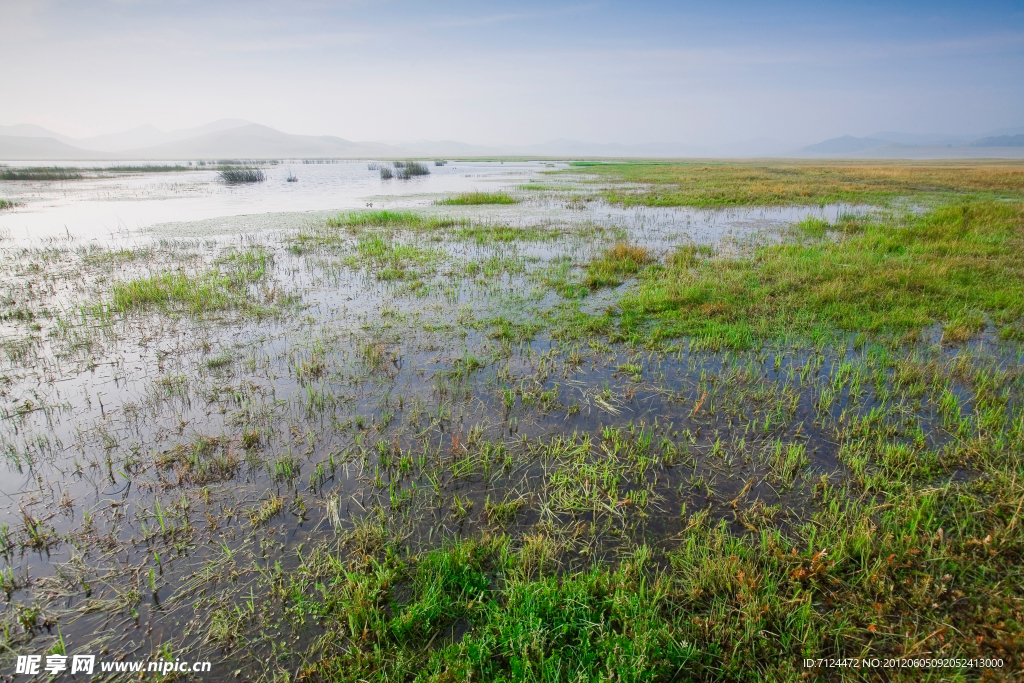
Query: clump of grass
pixel 6 204
pixel 383 218
pixel 220 361
pixel 616 262
pixel 470 198
pixel 504 513
pixel 787 462
pixel 40 173
pixel 489 234
pixel 393 219
pixel 390 260
pixel 248 265
pixel 813 227
pixel 356 221
pixel 407 169
pixel 206 460
pixel 243 175
pixel 267 511
pixel 386 173
pixel 688 255
pixel 440 162
pixel 292 178
pixel 200 292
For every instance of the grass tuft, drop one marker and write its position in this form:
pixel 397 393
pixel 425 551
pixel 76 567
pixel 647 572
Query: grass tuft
pixel 615 263
pixel 243 175
pixel 472 198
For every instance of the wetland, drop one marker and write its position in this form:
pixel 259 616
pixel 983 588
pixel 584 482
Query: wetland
pixel 532 421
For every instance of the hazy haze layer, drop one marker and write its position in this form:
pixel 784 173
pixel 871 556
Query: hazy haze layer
pixel 522 73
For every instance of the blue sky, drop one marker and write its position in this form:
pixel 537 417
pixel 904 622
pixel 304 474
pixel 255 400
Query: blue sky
pixel 524 72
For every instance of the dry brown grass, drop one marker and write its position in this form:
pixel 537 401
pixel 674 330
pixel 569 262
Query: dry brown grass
pixel 628 252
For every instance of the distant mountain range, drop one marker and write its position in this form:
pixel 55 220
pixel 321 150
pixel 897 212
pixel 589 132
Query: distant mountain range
pixel 1000 141
pixel 1007 142
pixel 240 139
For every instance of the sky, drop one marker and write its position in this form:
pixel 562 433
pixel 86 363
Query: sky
pixel 517 72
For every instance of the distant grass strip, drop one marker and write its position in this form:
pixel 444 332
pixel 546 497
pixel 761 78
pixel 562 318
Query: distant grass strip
pixel 961 265
pixel 708 184
pixel 472 198
pixel 147 168
pixel 40 173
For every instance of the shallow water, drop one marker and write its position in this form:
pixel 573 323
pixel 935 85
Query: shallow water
pixel 124 204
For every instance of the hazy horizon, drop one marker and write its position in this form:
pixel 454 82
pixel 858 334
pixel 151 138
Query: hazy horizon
pixel 502 74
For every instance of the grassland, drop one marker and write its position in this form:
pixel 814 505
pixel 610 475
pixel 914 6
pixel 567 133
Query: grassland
pixel 959 265
pixel 723 184
pixel 465 448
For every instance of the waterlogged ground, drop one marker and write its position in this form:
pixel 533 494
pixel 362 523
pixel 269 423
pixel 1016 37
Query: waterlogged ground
pixel 549 438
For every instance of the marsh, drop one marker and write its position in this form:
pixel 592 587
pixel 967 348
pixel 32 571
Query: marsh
pixel 515 420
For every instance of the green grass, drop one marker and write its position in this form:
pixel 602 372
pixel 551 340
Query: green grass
pixel 393 260
pixel 858 580
pixel 215 289
pixel 489 234
pixel 960 265
pixel 196 293
pixel 337 230
pixel 471 198
pixel 364 219
pixel 392 219
pixel 6 204
pixel 616 263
